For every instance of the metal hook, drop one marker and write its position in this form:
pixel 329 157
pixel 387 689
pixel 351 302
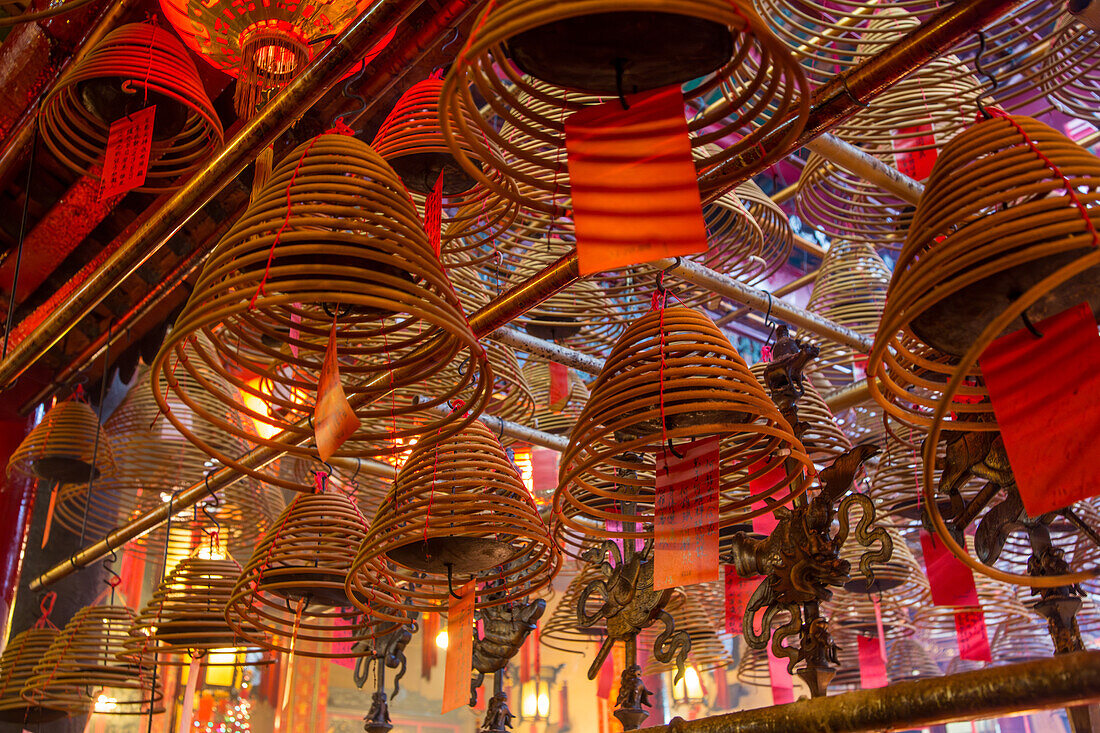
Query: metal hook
pixel 206 506
pixel 620 67
pixel 349 94
pixel 981 70
pixel 769 322
pixel 1030 326
pixel 673 450
pixel 450 581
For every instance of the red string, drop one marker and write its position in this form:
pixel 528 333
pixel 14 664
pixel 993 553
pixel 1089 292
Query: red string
pixel 46 607
pixel 1054 169
pixel 339 127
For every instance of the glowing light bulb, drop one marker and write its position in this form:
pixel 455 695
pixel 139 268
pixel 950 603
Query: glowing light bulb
pixel 441 639
pixel 105 704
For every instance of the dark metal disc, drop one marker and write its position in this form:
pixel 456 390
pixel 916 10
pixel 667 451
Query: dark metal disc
pixel 419 171
pixel 104 98
pixel 62 469
pixel 465 555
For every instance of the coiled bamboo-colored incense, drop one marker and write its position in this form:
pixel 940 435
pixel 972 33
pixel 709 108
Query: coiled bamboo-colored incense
pixel 1070 73
pixel 671 377
pixel 134 66
pixel 823 438
pixel 908 659
pixel 291 591
pixel 63 446
pixel 350 250
pixel 22 653
pixel 707 649
pixel 83 667
pixel 521 129
pixel 774 225
pixel 457 511
pixel 546 418
pixel 560 631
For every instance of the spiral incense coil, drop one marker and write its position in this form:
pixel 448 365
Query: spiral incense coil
pixel 457 510
pixel 22 653
pixel 673 376
pixel 707 650
pixel 546 418
pixel 850 289
pixel 134 66
pixel 853 612
pixel 560 630
pixel 1020 640
pixel 411 141
pixel 351 250
pixel 63 446
pixel 521 129
pixel 895 483
pixel 847 675
pixel 823 438
pixel 1071 70
pixel 186 615
pixel 899 577
pixel 291 591
pixel 971 266
pixel 82 667
pixel 511 397
pixel 774 225
pixel 908 659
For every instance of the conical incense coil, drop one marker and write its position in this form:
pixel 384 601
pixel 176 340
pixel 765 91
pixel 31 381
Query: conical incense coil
pixel 458 510
pixel 560 630
pixel 22 653
pixel 82 668
pixel 511 397
pixel 186 615
pixel 135 66
pixel 63 446
pixel 1020 639
pixel 292 588
pixel 850 289
pixel 1070 72
pixel 707 650
pixel 775 227
pixel 971 266
pixel 529 147
pixel 546 418
pixel 351 250
pixel 823 438
pixel 899 577
pixel 673 376
pixel 854 612
pixel 908 659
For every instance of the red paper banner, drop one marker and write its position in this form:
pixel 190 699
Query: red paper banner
pixel 559 386
pixel 333 419
pixel 917 164
pixel 460 649
pixel 1045 394
pixel 738 592
pixel 685 522
pixel 872 665
pixel 782 682
pixel 971 635
pixel 951 581
pixel 635 193
pixel 126 160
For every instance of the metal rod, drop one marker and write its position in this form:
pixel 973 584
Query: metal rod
pixel 867 167
pixel 779 292
pixel 850 396
pixel 759 300
pixel 255 135
pixel 1069 679
pixel 548 350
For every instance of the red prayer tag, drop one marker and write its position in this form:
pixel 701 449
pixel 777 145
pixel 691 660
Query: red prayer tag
pixel 635 193
pixel 606 678
pixel 333 419
pixel 126 160
pixel 951 581
pixel 782 683
pixel 872 665
pixel 559 386
pixel 685 521
pixel 917 164
pixel 460 649
pixel 971 635
pixel 766 523
pixel 433 215
pixel 1046 397
pixel 544 471
pixel 738 592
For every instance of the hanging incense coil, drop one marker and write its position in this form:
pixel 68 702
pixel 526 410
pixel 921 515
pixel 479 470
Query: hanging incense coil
pixel 970 266
pixel 511 397
pixel 457 510
pixel 135 66
pixel 82 668
pixel 895 483
pixel 546 418
pixel 898 576
pixel 185 618
pixel 908 659
pixel 1071 70
pixel 411 141
pixel 1020 640
pixel 707 650
pixel 560 630
pixel 673 375
pixel 853 612
pixel 64 446
pixel 351 250
pixel 23 651
pixel 775 227
pixel 521 130
pixel 823 438
pixel 291 591
pixel 850 289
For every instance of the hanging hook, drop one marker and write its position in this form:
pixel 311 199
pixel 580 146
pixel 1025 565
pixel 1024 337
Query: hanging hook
pixel 349 94
pixel 769 322
pixel 981 70
pixel 115 580
pixel 620 67
pixel 673 450
pixel 1030 326
pixel 206 508
pixel 450 581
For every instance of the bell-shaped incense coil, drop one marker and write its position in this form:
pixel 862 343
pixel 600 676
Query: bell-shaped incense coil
pixel 850 289
pixel 672 377
pixel 22 653
pixel 82 668
pixel 1020 639
pixel 1007 225
pixel 707 649
pixel 135 66
pixel 823 438
pixel 292 588
pixel 186 615
pixel 332 238
pixel 557 418
pixel 908 659
pixel 511 397
pixel 899 577
pixel 853 612
pixel 560 630
pixel 64 446
pixel 1070 72
pixel 514 63
pixel 457 510
pixel 775 227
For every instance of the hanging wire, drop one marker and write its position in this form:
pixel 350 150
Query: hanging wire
pixel 993 81
pixel 348 93
pixel 22 234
